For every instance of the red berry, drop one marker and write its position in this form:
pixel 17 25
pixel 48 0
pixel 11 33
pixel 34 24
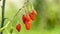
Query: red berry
pixel 34 12
pixel 27 24
pixel 25 18
pixel 18 27
pixel 32 16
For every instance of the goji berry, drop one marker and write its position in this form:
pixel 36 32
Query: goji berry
pixel 25 18
pixel 34 12
pixel 28 25
pixel 32 16
pixel 18 27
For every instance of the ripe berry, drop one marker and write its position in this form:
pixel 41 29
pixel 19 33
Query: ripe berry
pixel 32 16
pixel 18 27
pixel 34 12
pixel 27 24
pixel 25 18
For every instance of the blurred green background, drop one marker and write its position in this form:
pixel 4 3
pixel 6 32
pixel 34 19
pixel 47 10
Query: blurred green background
pixel 47 19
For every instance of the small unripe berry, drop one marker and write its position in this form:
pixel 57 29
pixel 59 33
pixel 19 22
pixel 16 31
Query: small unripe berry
pixel 11 30
pixel 18 27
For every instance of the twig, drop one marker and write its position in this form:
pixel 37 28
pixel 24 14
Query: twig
pixel 3 8
pixel 13 17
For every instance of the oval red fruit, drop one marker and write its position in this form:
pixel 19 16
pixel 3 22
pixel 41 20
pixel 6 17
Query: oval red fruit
pixel 34 12
pixel 25 18
pixel 28 25
pixel 32 16
pixel 18 27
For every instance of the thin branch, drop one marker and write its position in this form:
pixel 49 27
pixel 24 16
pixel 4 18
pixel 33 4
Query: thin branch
pixel 3 9
pixel 16 13
pixel 13 17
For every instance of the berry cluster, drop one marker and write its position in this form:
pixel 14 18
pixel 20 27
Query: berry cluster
pixel 26 20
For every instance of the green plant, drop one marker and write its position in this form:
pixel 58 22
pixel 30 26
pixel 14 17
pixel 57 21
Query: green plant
pixel 25 7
